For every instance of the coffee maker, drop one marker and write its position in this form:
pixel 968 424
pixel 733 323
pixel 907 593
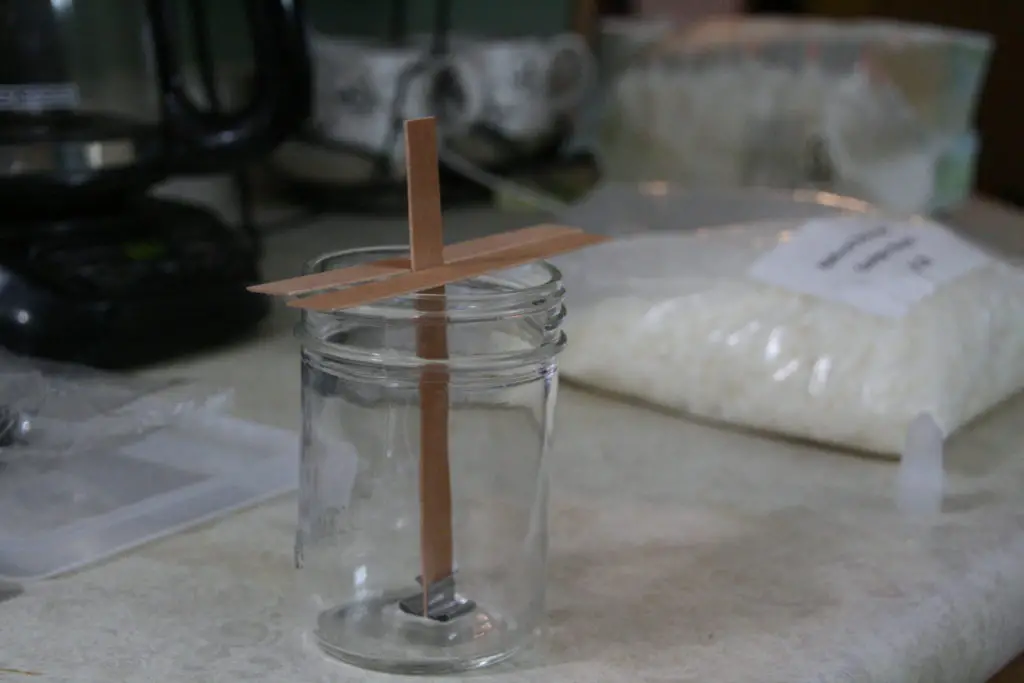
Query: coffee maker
pixel 99 102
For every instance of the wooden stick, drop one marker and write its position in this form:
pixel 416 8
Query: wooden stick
pixel 376 270
pixel 328 279
pixel 491 245
pixel 449 272
pixel 427 251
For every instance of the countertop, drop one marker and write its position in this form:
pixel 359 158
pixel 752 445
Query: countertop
pixel 679 552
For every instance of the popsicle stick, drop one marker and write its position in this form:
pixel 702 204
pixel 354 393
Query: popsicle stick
pixel 450 272
pixel 329 278
pixel 375 270
pixel 426 243
pixel 492 244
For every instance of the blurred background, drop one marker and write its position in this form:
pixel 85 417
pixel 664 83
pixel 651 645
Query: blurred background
pixel 1000 167
pixel 146 153
pixel 947 83
pixel 1000 170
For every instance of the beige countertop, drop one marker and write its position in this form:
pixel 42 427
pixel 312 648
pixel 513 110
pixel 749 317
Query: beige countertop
pixel 679 552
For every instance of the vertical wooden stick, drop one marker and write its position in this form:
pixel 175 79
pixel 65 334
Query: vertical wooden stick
pixel 426 242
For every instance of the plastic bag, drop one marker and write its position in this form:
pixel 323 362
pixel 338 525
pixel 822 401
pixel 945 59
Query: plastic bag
pixel 859 108
pixel 50 409
pixel 737 324
pixel 94 462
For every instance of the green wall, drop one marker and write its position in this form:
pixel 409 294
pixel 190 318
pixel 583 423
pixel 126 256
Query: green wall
pixel 493 17
pixel 104 35
pixel 372 17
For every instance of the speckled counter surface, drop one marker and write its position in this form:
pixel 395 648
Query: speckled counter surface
pixel 679 552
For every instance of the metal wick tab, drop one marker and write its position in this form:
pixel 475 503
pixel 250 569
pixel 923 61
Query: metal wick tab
pixel 443 603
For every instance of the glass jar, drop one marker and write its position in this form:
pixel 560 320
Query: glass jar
pixel 358 543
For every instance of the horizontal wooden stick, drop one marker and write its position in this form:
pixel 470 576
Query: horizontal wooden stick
pixel 492 244
pixel 365 272
pixel 427 278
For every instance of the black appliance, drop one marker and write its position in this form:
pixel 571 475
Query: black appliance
pixel 99 101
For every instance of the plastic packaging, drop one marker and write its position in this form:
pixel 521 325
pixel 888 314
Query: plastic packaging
pixel 67 407
pixel 738 323
pixel 921 481
pixel 870 109
pixel 93 463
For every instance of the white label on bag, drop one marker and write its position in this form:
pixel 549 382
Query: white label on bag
pixel 879 267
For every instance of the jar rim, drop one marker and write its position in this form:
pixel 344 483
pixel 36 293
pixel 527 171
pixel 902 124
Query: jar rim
pixel 522 299
pixel 459 307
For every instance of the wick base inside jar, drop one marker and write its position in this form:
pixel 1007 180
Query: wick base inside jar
pixel 380 633
pixel 443 602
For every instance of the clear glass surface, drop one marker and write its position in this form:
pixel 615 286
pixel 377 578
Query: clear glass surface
pixel 96 57
pixel 81 55
pixel 358 543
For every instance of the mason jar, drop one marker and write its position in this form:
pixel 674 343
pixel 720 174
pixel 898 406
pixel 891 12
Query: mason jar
pixel 358 543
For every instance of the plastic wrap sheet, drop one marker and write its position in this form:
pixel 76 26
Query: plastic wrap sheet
pixel 50 409
pixel 92 463
pixel 63 432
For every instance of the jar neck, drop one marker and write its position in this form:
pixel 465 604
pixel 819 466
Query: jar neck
pixel 344 338
pixel 493 323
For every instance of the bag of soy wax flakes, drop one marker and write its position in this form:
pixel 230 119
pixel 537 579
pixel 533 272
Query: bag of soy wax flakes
pixel 840 329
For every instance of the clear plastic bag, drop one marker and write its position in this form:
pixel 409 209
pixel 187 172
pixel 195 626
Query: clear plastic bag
pixel 93 463
pixel 60 424
pixel 877 110
pixel 684 320
pixel 50 409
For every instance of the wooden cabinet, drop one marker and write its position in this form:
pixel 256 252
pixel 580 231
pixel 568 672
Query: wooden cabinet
pixel 1013 673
